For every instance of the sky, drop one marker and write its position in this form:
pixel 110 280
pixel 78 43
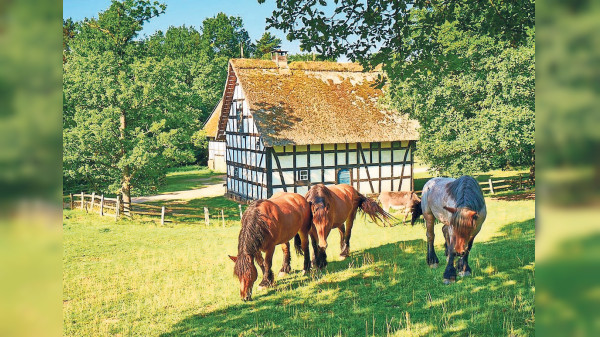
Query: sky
pixel 192 13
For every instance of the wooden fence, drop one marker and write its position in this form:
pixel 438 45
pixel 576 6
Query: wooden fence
pixel 493 186
pixel 112 207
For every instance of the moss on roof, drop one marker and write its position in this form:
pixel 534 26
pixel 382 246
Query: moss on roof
pixel 212 124
pixel 318 102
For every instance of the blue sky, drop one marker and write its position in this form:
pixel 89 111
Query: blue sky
pixel 192 13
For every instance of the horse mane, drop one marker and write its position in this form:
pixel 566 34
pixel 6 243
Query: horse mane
pixel 319 194
pixel 255 230
pixel 468 196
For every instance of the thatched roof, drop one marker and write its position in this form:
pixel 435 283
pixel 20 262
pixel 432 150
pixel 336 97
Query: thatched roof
pixel 212 124
pixel 318 103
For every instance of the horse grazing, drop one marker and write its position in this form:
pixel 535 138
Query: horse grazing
pixel 408 200
pixel 331 206
pixel 459 205
pixel 266 224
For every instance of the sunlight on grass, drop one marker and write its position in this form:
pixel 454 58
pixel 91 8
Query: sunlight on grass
pixel 138 278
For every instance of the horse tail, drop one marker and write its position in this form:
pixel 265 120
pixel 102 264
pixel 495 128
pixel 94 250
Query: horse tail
pixel 417 211
pixel 298 245
pixel 373 210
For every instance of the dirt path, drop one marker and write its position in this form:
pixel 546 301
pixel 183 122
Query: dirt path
pixel 214 190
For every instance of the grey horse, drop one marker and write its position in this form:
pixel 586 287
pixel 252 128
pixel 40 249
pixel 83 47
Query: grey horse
pixel 460 206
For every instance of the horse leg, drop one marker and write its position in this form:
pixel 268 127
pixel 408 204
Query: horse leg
pixel 268 277
pixel 450 272
pixel 447 239
pixel 463 262
pixel 349 222
pixel 342 240
pixel 432 259
pixel 305 251
pixel 406 211
pixel 285 268
pixel 260 261
pixel 320 257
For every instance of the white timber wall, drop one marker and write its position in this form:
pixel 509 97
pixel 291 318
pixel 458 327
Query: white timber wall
pixel 387 163
pixel 245 153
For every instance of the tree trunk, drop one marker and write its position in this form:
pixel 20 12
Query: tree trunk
pixel 126 193
pixel 126 176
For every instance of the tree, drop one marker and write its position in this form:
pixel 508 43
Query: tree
pixel 127 118
pixel 224 36
pixel 266 44
pixel 464 69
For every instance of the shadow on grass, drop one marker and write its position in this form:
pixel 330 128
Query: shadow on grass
pixel 389 288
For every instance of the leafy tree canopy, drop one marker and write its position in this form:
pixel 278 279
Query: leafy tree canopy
pixel 224 36
pixel 266 44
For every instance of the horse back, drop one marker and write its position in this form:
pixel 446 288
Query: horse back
pixel 346 200
pixel 289 212
pixel 401 198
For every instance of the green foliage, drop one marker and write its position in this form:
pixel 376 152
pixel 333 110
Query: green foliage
pixel 464 69
pixel 162 88
pixel 127 117
pixel 266 44
pixel 224 35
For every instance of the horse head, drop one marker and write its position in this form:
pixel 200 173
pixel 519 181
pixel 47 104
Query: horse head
pixel 319 198
pixel 462 229
pixel 246 273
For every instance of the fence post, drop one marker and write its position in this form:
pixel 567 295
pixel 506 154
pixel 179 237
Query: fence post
pixel 520 181
pixel 117 208
pixel 102 205
pixel 71 200
pixel 92 204
pixel 206 216
pixel 82 200
pixel 223 217
pixel 491 185
pixel 240 207
pixel 162 216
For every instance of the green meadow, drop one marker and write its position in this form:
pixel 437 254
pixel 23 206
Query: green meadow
pixel 136 278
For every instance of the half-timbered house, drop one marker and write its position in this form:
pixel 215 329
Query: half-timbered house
pixel 289 126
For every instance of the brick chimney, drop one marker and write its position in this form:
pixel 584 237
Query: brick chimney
pixel 280 58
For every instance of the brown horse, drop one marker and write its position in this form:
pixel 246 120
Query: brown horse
pixel 331 206
pixel 460 206
pixel 266 224
pixel 407 200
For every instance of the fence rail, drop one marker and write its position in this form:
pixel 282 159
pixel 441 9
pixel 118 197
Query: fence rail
pixel 100 204
pixel 492 186
pixel 106 206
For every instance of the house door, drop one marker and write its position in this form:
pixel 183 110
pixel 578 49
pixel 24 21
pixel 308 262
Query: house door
pixel 343 176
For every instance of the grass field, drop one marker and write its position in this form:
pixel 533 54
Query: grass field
pixel 134 278
pixel 189 177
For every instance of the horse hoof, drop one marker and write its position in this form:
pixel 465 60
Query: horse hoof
pixel 433 265
pixel 343 257
pixel 261 288
pixel 449 281
pixel 282 274
pixel 464 273
pixel 304 272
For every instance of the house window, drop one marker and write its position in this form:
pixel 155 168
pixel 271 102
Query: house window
pixel 303 175
pixel 235 171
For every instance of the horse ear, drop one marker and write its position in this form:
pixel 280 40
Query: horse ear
pixel 233 258
pixel 472 214
pixel 450 209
